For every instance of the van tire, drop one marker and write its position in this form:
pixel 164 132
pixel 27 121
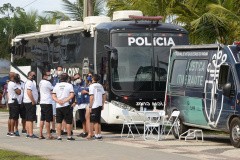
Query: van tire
pixel 182 128
pixel 234 126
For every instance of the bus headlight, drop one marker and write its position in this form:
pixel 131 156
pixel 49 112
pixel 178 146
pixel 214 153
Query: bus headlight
pixel 123 106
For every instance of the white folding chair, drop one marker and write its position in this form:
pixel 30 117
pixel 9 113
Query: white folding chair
pixel 152 124
pixel 128 120
pixel 75 111
pixel 172 122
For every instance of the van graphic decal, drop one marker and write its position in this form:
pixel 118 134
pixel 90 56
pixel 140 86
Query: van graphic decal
pixel 213 69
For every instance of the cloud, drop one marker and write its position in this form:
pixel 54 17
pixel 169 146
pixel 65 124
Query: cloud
pixel 4 63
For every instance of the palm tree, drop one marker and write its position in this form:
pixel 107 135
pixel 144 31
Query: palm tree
pixel 75 9
pixel 209 20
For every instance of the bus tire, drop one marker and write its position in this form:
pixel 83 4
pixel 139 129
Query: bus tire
pixel 181 129
pixel 235 132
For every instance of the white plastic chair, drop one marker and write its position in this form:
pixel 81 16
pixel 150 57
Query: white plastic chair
pixel 128 120
pixel 38 113
pixel 172 122
pixel 153 123
pixel 75 110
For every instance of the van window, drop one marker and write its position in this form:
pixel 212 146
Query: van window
pixel 197 73
pixel 225 76
pixel 178 72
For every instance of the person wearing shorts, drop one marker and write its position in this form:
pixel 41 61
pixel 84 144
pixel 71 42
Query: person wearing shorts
pixel 57 79
pixel 30 98
pixel 22 110
pixel 13 93
pixel 46 104
pixel 97 99
pixel 62 93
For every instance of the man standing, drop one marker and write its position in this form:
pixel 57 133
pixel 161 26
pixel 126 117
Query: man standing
pixel 97 99
pixel 22 110
pixel 57 79
pixel 13 93
pixel 30 98
pixel 62 93
pixel 46 104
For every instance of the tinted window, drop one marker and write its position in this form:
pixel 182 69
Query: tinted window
pixel 197 73
pixel 178 72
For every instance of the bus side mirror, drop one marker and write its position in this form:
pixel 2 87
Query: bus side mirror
pixel 114 55
pixel 227 91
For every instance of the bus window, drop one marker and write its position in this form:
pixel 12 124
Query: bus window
pixel 197 73
pixel 178 72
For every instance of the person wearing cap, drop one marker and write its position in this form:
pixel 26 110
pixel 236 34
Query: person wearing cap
pixel 46 104
pixel 62 93
pixel 30 98
pixel 97 99
pixel 13 93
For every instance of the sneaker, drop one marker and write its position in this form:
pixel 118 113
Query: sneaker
pixel 33 136
pixel 24 132
pixel 91 138
pixel 52 131
pixel 27 136
pixel 17 133
pixel 63 133
pixel 8 134
pixel 70 139
pixel 99 138
pixel 59 139
pixel 80 135
pixel 85 135
pixel 12 135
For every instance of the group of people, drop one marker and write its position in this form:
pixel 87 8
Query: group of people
pixel 57 101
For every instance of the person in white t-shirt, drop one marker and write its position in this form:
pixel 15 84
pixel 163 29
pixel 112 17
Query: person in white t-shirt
pixel 22 110
pixel 97 99
pixel 62 93
pixel 30 98
pixel 13 93
pixel 46 104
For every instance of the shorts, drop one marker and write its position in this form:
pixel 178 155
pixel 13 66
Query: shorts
pixel 46 112
pixel 6 101
pixel 22 111
pixel 82 113
pixel 30 111
pixel 87 106
pixel 54 107
pixel 13 111
pixel 64 113
pixel 95 116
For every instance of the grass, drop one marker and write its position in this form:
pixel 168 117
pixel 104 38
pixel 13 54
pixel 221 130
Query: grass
pixel 3 110
pixel 10 155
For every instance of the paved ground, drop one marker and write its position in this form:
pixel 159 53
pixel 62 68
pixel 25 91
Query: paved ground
pixel 115 148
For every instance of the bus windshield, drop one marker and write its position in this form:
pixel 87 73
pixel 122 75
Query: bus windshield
pixel 142 60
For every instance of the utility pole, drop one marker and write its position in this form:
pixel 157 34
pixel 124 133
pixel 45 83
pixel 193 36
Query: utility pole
pixel 85 8
pixel 90 8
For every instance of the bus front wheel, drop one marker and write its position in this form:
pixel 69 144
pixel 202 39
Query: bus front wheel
pixel 181 128
pixel 235 132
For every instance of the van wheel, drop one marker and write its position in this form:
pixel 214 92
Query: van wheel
pixel 181 128
pixel 235 132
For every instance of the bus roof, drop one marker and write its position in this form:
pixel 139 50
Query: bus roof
pixel 140 25
pixel 206 46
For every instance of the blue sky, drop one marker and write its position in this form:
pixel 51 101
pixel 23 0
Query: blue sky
pixel 40 5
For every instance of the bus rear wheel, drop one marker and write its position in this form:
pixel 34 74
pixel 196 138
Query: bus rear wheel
pixel 235 132
pixel 181 128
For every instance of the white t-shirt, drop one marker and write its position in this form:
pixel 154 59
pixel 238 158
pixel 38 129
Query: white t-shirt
pixel 45 88
pixel 97 91
pixel 12 86
pixel 62 91
pixel 20 97
pixel 29 85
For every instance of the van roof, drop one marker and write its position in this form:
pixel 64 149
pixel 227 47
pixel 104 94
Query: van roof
pixel 196 46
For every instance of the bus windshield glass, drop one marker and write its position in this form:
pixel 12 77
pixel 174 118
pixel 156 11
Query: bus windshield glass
pixel 142 60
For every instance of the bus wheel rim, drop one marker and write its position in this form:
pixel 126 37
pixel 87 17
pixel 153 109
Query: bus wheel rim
pixel 236 133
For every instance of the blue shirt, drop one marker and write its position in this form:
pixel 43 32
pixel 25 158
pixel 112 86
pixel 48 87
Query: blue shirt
pixel 78 94
pixel 86 97
pixel 55 81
